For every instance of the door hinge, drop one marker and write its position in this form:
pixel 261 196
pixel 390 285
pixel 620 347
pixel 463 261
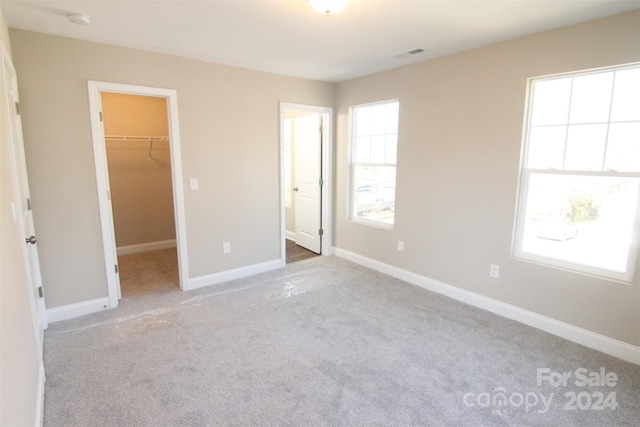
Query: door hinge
pixel 108 195
pixel 100 115
pixel 321 182
pixel 40 294
pixel 321 232
pixel 17 108
pixel 28 203
pixel 116 266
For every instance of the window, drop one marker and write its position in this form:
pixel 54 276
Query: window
pixel 374 143
pixel 580 177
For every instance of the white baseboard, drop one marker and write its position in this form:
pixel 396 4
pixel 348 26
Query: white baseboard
pixel 290 235
pixel 611 346
pixel 146 247
pixel 76 310
pixel 237 273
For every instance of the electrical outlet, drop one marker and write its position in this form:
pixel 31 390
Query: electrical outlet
pixel 226 247
pixel 400 246
pixel 494 271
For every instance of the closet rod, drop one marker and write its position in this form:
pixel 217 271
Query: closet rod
pixel 151 139
pixel 134 138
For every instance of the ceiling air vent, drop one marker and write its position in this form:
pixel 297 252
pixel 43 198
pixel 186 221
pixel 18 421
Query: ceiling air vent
pixel 408 53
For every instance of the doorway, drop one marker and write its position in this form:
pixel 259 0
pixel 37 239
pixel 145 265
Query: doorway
pixel 305 181
pixel 137 142
pixel 157 144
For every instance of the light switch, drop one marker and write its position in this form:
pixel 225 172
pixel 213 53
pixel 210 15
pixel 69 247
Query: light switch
pixel 193 183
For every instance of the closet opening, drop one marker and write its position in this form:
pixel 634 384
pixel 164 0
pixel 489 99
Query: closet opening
pixel 151 147
pixel 136 134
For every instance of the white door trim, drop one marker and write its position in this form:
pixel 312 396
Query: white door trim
pixel 102 178
pixel 327 170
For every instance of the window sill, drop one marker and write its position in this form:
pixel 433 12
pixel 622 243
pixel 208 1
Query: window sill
pixel 371 223
pixel 621 278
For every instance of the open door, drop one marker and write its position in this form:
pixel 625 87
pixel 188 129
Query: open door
pixel 308 181
pixel 305 177
pixel 22 210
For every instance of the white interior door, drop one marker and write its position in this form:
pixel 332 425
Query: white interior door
pixel 22 209
pixel 308 185
pixel 112 235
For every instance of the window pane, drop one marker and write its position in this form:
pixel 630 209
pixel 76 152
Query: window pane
pixel 585 147
pixel 374 196
pixel 623 148
pixel 362 149
pixel 378 119
pixel 581 219
pixel 392 117
pixel 551 102
pixel 591 98
pixel 363 121
pixel 626 96
pixel 377 149
pixel 391 149
pixel 546 147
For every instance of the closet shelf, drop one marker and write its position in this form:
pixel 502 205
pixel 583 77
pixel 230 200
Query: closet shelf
pixel 150 139
pixel 136 138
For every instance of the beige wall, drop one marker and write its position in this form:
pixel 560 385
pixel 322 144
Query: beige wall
pixel 229 139
pixel 141 188
pixel 459 146
pixel 19 366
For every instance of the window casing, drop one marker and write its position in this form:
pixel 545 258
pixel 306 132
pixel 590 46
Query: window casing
pixel 580 176
pixel 374 143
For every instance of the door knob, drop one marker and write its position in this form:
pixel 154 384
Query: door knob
pixel 31 240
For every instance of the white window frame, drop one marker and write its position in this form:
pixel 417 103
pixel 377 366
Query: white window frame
pixel 522 198
pixel 352 214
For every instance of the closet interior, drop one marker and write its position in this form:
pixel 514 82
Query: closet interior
pixel 139 163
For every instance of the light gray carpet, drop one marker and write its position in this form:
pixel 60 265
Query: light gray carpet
pixel 149 273
pixel 321 342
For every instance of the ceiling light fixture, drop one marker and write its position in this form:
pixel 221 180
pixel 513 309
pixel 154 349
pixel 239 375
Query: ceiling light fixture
pixel 79 18
pixel 328 7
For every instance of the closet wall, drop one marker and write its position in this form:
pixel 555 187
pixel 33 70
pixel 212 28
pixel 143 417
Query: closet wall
pixel 140 178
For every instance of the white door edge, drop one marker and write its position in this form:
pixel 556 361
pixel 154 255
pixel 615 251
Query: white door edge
pixel 102 178
pixel 327 170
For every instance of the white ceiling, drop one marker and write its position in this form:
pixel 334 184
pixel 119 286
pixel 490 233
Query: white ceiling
pixel 288 37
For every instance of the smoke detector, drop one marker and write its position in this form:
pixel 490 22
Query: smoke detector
pixel 408 53
pixel 79 18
